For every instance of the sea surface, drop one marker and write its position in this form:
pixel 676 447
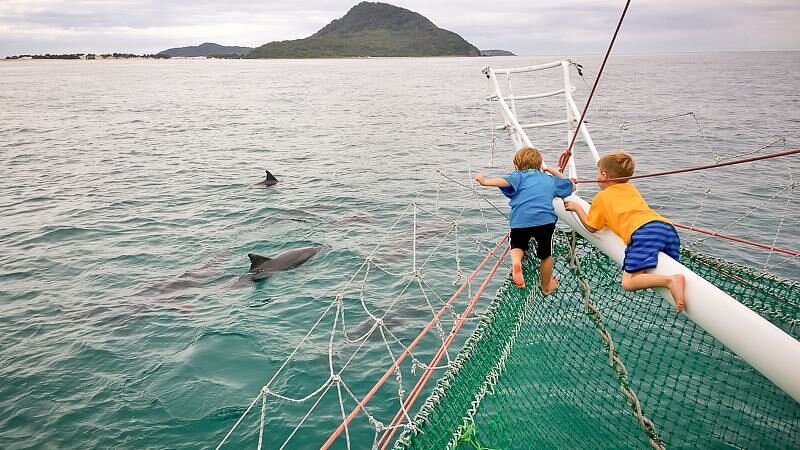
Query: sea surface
pixel 127 210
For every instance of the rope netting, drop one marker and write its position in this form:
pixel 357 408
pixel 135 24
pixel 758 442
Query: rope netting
pixel 589 366
pixel 593 366
pixel 393 322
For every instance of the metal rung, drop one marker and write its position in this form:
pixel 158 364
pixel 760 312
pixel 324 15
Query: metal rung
pixel 528 97
pixel 529 68
pixel 540 124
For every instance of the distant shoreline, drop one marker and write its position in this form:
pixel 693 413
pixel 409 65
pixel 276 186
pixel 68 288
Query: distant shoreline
pixel 82 56
pixel 14 58
pixel 26 58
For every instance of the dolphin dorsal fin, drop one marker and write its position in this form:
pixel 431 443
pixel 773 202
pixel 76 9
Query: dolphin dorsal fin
pixel 270 176
pixel 257 260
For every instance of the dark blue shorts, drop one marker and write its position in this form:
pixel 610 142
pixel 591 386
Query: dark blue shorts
pixel 647 241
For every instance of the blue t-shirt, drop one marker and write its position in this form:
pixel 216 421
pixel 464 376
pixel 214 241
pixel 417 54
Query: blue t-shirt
pixel 531 197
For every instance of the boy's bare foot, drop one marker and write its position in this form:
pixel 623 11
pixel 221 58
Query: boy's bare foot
pixel 676 287
pixel 551 287
pixel 516 276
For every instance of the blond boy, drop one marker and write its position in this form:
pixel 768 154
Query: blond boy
pixel 621 208
pixel 530 193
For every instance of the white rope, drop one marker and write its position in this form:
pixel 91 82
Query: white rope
pixel 414 241
pixel 230 432
pixel 308 414
pixel 751 211
pixel 785 209
pixel 344 416
pixel 401 393
pixel 710 174
pixel 261 427
pixel 438 323
pixel 333 333
pixel 266 388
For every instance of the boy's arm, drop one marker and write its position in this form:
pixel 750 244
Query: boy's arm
pixel 496 182
pixel 554 172
pixel 578 210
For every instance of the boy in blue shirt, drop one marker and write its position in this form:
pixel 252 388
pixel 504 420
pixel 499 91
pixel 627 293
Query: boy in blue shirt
pixel 531 192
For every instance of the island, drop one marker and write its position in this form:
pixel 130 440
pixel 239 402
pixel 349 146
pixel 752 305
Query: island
pixel 496 53
pixel 87 56
pixel 372 30
pixel 207 49
pixel 369 29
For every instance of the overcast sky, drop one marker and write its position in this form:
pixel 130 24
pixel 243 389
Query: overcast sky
pixel 526 27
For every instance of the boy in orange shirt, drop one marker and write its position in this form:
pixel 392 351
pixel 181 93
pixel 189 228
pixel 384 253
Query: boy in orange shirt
pixel 620 207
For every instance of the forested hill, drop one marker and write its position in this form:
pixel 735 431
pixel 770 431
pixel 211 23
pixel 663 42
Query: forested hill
pixel 372 29
pixel 205 49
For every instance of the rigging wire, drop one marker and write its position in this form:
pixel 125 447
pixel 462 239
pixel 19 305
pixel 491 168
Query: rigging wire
pixel 696 168
pixel 562 161
pixel 736 239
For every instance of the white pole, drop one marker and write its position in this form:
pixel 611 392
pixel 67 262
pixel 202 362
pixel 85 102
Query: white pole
pixel 775 354
pixel 518 136
pixel 572 170
pixel 757 341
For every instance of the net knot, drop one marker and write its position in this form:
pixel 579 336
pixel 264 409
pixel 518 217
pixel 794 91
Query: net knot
pixel 415 364
pixel 379 426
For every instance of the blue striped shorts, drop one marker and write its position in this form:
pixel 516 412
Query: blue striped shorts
pixel 647 241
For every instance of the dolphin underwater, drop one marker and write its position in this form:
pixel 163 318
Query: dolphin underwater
pixel 269 181
pixel 262 267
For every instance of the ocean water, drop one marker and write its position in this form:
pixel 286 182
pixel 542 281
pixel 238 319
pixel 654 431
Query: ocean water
pixel 128 209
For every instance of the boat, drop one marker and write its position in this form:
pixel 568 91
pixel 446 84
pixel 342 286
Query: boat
pixel 589 366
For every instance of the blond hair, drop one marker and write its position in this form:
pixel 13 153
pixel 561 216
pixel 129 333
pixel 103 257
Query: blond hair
pixel 617 164
pixel 528 158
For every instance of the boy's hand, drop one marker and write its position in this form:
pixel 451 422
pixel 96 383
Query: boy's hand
pixel 576 207
pixel 569 205
pixel 480 178
pixel 553 171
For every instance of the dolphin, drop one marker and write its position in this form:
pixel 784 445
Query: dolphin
pixel 262 267
pixel 269 181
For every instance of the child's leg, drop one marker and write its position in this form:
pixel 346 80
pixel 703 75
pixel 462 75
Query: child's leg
pixel 642 254
pixel 642 280
pixel 544 251
pixel 516 267
pixel 519 244
pixel 549 283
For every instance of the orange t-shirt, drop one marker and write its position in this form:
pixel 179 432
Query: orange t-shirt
pixel 621 208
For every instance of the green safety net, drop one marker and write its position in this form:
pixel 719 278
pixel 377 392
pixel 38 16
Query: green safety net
pixel 622 370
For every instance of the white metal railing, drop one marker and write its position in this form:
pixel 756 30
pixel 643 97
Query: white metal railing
pixel 511 123
pixel 529 97
pixel 757 341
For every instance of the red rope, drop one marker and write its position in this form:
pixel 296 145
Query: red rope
pixel 384 441
pixel 410 347
pixel 736 239
pixel 692 169
pixel 564 159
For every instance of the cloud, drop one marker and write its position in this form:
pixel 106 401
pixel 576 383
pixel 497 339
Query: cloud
pixel 525 27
